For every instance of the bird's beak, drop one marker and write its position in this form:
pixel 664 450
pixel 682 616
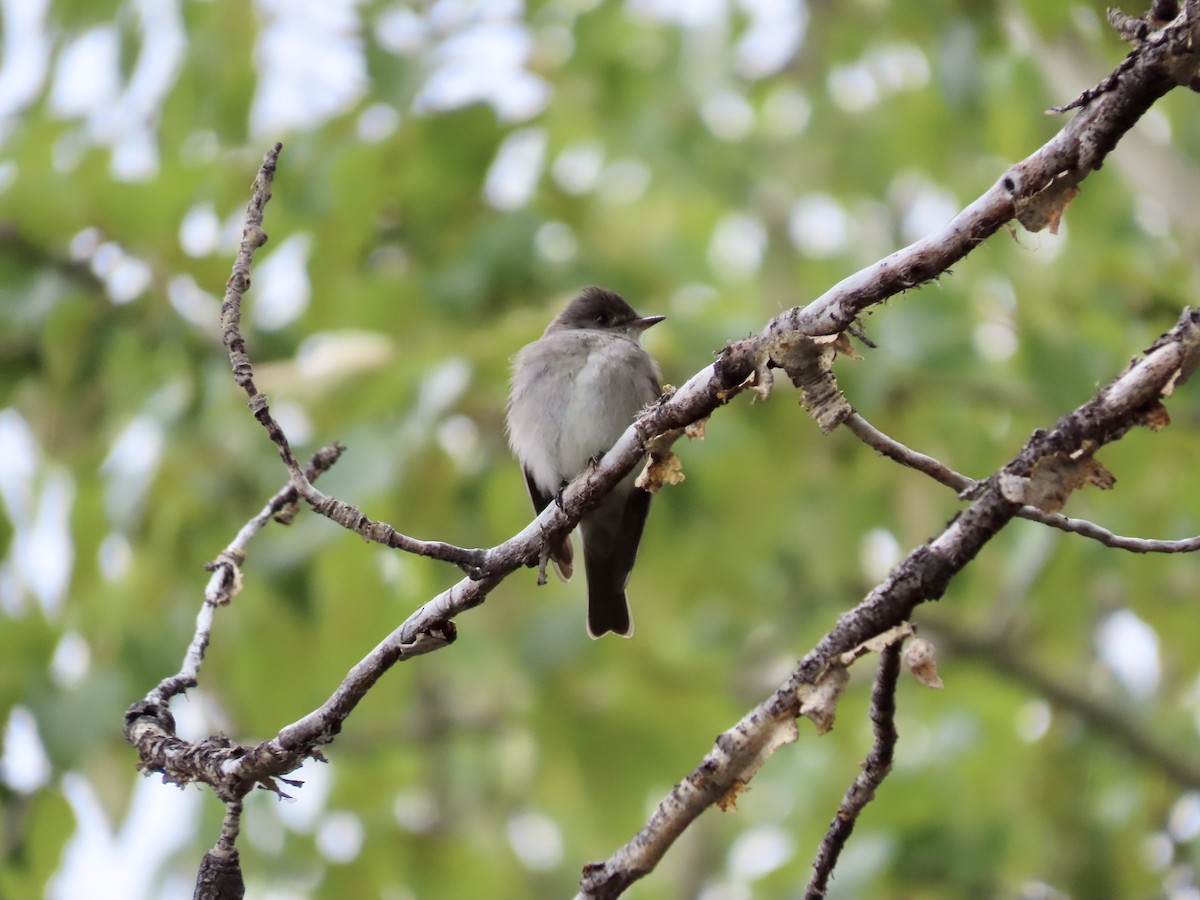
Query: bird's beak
pixel 646 321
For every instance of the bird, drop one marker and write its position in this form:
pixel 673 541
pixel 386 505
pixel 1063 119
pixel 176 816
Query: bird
pixel 574 392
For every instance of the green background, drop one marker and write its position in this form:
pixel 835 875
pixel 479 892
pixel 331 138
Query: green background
pixel 525 735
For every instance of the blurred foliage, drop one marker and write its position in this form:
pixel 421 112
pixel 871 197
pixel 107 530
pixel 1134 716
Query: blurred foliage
pixel 678 173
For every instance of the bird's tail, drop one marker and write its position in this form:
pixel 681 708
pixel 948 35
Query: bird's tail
pixel 609 551
pixel 608 610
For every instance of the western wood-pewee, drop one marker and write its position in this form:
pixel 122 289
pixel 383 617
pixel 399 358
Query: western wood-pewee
pixel 574 392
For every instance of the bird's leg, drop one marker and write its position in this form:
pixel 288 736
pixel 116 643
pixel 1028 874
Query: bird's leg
pixel 558 500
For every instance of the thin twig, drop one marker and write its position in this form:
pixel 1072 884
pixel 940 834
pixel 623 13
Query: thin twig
pixel 149 724
pixel 943 474
pixel 343 514
pixel 905 455
pixel 875 768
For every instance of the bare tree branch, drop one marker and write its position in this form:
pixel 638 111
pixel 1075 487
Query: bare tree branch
pixel 343 514
pixel 875 768
pixel 921 576
pixel 220 875
pixel 1051 465
pixel 149 725
pixel 891 448
pixel 943 474
pixel 1045 176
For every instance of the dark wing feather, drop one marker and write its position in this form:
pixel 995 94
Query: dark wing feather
pixel 562 554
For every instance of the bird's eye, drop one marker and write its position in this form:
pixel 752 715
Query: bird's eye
pixel 602 318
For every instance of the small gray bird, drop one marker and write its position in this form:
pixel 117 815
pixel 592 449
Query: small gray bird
pixel 574 392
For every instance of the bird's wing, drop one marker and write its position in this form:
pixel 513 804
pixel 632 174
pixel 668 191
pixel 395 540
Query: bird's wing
pixel 540 500
pixel 563 553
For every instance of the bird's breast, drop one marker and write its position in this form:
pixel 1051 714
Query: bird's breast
pixel 574 394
